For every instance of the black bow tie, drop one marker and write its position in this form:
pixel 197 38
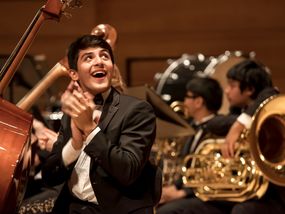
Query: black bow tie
pixel 197 126
pixel 99 99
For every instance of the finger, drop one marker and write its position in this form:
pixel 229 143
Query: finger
pixel 66 109
pixel 226 150
pixel 50 133
pixel 65 95
pixel 85 99
pixel 71 86
pixel 77 87
pixel 90 97
pixel 80 97
pixel 68 92
pixel 72 104
pixel 51 136
pixel 232 150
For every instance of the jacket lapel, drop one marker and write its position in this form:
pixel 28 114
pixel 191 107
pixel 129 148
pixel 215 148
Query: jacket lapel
pixel 109 109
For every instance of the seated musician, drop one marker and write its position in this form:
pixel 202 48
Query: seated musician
pixel 38 197
pixel 249 83
pixel 202 101
pixel 102 152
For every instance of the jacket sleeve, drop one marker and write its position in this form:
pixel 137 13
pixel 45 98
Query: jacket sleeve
pixel 221 124
pixel 54 171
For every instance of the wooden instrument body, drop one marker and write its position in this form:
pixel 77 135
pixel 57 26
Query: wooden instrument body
pixel 15 128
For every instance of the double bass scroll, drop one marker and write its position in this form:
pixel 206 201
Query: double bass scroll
pixel 53 10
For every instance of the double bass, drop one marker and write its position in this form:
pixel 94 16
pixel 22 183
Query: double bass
pixel 15 123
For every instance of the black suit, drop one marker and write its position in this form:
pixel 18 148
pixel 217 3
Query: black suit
pixel 120 173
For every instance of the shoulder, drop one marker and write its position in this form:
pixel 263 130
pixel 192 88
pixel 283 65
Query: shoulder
pixel 220 124
pixel 267 92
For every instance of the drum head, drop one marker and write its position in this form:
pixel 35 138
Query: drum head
pixel 171 85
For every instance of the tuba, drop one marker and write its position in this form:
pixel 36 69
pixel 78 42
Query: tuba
pixel 257 162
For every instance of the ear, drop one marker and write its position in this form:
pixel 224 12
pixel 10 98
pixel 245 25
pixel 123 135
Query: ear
pixel 249 91
pixel 199 101
pixel 73 74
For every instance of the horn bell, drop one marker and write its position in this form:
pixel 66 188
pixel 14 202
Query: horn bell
pixel 267 139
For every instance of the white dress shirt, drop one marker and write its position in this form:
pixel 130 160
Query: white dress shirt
pixel 79 183
pixel 199 132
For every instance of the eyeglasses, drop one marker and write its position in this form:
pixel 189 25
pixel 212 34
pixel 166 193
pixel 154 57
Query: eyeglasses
pixel 191 96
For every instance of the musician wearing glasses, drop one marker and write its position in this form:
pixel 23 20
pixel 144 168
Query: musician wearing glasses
pixel 249 84
pixel 202 101
pixel 102 152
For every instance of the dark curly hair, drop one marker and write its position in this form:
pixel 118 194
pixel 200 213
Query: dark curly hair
pixel 84 42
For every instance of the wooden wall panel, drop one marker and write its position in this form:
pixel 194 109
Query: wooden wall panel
pixel 159 29
pixel 168 28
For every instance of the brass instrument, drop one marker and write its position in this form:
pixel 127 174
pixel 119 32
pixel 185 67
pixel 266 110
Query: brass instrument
pixel 165 154
pixel 179 108
pixel 216 178
pixel 247 175
pixel 267 139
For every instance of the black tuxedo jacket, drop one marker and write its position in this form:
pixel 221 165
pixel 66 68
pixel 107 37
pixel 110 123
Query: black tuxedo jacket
pixel 120 172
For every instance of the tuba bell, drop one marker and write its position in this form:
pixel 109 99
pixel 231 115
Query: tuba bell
pixel 257 161
pixel 267 139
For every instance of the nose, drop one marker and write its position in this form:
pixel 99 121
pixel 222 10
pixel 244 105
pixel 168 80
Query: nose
pixel 227 90
pixel 98 61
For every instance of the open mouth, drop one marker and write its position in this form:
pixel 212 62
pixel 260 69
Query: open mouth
pixel 99 74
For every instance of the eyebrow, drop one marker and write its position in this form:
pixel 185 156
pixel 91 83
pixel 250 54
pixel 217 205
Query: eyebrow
pixel 101 50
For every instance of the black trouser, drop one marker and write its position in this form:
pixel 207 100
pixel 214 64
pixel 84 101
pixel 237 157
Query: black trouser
pixel 75 206
pixel 88 208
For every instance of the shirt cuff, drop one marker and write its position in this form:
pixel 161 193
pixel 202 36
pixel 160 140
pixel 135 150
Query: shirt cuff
pixel 91 135
pixel 69 154
pixel 245 120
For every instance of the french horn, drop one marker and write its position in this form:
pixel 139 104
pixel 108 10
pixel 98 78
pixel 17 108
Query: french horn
pixel 260 158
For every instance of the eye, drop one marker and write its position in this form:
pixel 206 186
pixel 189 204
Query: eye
pixel 87 58
pixel 105 55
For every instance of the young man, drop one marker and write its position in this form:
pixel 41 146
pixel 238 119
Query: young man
pixel 202 102
pixel 249 84
pixel 102 152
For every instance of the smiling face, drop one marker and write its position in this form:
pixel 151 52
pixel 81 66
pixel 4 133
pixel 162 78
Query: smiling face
pixel 94 70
